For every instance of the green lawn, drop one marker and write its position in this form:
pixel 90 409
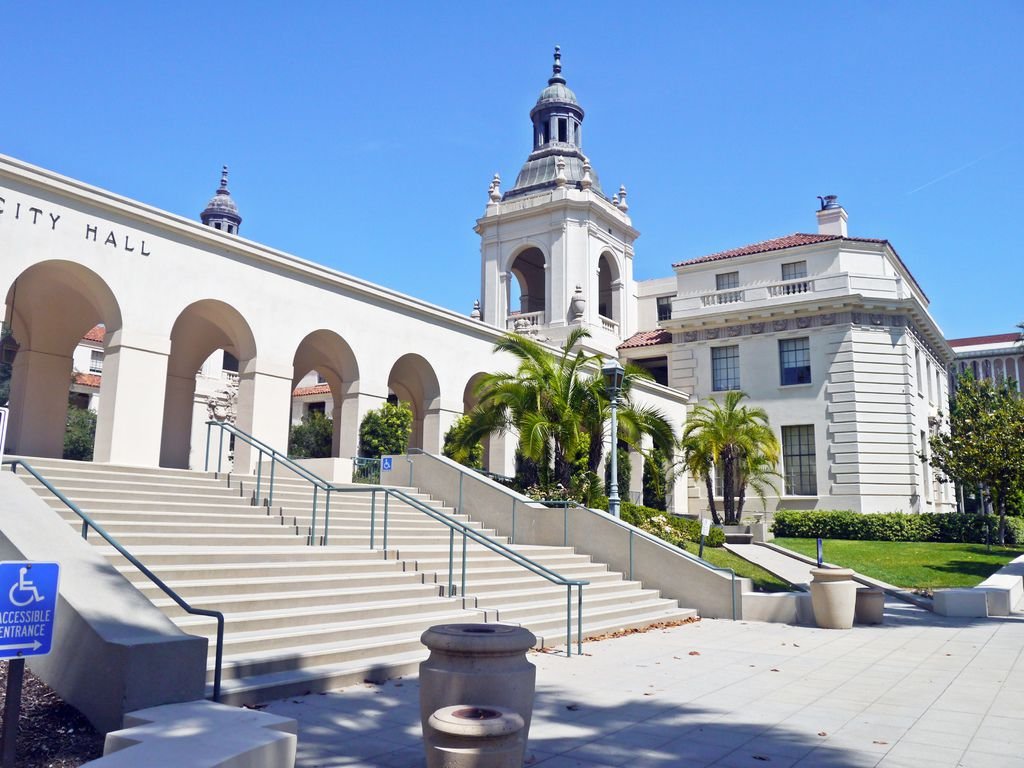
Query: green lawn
pixel 911 564
pixel 723 558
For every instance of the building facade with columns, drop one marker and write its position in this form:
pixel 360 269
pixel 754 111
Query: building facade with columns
pixel 996 357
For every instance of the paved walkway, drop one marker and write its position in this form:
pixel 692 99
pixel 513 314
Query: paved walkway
pixel 920 690
pixel 792 569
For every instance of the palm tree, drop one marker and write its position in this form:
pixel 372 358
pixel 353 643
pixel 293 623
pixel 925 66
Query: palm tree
pixel 559 409
pixel 737 439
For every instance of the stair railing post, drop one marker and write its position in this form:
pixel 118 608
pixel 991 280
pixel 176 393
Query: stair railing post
pixel 579 620
pixel 327 514
pixel 631 555
pixel 451 559
pixel 373 516
pixel 463 592
pixel 219 658
pixel 565 525
pixel 386 497
pixel 459 510
pixel 220 448
pixel 409 459
pixel 512 538
pixel 568 619
pixel 259 476
pixel 270 497
pixel 312 522
pixel 206 461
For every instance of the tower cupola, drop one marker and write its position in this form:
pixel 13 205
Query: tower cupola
pixel 221 212
pixel 557 119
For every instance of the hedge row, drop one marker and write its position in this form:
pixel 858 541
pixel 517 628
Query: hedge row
pixel 668 527
pixel 894 526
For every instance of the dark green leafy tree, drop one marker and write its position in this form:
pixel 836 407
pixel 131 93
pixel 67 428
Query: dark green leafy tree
pixel 737 439
pixel 80 434
pixel 385 430
pixel 982 442
pixel 312 438
pixel 656 478
pixel 459 449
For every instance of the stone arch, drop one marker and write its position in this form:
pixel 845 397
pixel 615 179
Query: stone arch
pixel 412 380
pixel 330 356
pixel 528 269
pixel 203 328
pixel 496 444
pixel 609 287
pixel 49 308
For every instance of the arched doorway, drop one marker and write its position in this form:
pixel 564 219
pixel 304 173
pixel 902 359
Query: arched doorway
pixel 528 271
pixel 49 308
pixel 212 348
pixel 330 360
pixel 412 380
pixel 609 290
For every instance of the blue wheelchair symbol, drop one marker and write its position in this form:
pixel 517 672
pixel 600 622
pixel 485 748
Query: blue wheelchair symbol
pixel 385 464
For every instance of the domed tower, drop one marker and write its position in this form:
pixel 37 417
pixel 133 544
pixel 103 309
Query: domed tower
pixel 221 212
pixel 556 253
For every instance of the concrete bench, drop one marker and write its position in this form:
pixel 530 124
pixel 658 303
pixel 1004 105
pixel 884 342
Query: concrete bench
pixel 1005 593
pixel 966 603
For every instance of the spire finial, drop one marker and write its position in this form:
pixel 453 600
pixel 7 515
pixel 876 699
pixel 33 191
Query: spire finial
pixel 224 178
pixel 556 68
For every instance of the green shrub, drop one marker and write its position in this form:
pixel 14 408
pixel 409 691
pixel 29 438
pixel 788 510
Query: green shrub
pixel 893 526
pixel 312 438
pixel 80 434
pixel 666 526
pixel 455 449
pixel 385 430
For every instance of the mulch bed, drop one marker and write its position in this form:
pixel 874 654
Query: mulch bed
pixel 51 733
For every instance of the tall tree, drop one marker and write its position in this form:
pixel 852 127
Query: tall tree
pixel 982 442
pixel 736 439
pixel 558 406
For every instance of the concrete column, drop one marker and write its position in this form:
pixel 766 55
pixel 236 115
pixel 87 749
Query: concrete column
pixel 431 431
pixel 175 441
pixel 501 454
pixel 131 409
pixel 264 399
pixel 636 475
pixel 355 405
pixel 39 403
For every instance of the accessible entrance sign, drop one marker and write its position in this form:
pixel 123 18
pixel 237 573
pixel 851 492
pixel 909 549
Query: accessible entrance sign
pixel 28 605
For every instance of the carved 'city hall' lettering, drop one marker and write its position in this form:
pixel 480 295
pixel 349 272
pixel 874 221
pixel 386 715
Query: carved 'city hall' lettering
pixel 36 213
pixel 92 233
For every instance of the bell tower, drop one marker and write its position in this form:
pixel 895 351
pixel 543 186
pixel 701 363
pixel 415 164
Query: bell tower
pixel 556 252
pixel 221 212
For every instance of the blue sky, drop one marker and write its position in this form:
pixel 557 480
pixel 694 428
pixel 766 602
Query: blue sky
pixel 363 136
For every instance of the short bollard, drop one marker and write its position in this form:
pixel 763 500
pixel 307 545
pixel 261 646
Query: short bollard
pixel 476 695
pixel 834 597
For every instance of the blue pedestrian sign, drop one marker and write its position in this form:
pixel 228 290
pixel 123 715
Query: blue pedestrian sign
pixel 28 605
pixel 385 464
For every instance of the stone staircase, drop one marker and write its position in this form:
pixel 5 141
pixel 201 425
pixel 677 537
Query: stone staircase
pixel 304 618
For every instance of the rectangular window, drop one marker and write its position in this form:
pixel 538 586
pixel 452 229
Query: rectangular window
pixel 925 474
pixel 794 361
pixel 725 368
pixel 96 361
pixel 664 307
pixel 917 365
pixel 312 408
pixel 726 281
pixel 928 376
pixel 798 462
pixel 795 270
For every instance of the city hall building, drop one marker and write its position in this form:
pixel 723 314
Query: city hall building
pixel 161 323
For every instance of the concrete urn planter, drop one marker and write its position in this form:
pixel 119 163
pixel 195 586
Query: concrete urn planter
pixel 833 597
pixel 476 695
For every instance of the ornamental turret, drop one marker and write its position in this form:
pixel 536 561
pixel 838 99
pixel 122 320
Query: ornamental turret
pixel 221 212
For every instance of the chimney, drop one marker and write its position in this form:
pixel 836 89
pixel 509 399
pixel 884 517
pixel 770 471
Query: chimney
pixel 831 217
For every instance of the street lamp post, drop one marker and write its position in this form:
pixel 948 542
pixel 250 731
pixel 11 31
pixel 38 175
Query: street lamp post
pixel 613 373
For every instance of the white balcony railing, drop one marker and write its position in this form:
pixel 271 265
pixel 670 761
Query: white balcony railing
pixel 609 325
pixel 721 297
pixel 823 285
pixel 524 321
pixel 789 288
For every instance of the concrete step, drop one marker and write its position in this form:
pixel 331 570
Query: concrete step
pixel 202 588
pixel 203 554
pixel 359 603
pixel 214 570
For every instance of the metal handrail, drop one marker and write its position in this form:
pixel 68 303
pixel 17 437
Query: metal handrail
pixel 319 483
pixel 566 503
pixel 88 522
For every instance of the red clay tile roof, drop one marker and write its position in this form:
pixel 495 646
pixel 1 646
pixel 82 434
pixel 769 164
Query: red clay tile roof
pixel 96 334
pixel 316 389
pixel 647 339
pixel 88 379
pixel 777 244
pixel 998 338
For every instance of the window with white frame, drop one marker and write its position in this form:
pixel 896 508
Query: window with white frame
pixel 725 368
pixel 798 460
pixel 794 361
pixel 794 270
pixel 664 307
pixel 928 376
pixel 917 366
pixel 727 281
pixel 96 361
